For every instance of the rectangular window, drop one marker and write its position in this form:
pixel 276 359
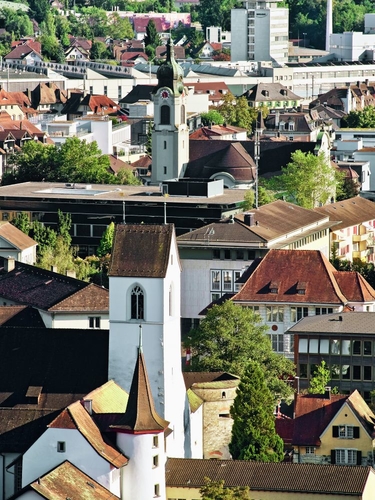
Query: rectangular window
pixel 155 441
pixel 323 310
pixel 215 280
pixel 275 314
pixel 346 457
pixel 155 461
pixel 216 254
pixel 357 347
pixel 215 297
pixel 297 313
pixel 105 90
pixel 367 347
pixel 335 347
pixel 277 342
pixel 324 346
pixel 61 446
pixel 310 450
pixel 156 490
pixel 94 321
pixel 302 345
pixel 345 347
pixel 367 372
pixel 314 346
pixel 5 216
pixel 227 254
pixel 227 280
pixel 356 372
pixel 303 370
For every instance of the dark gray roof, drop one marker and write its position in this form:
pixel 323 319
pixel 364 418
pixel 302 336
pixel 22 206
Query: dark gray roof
pixel 283 477
pixel 348 322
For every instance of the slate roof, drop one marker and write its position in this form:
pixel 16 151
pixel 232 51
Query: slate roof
pixel 141 250
pixel 349 212
pixel 16 237
pixel 67 481
pixel 271 221
pixel 360 322
pixel 63 374
pixel 289 268
pixel 267 92
pixel 47 290
pixel 283 477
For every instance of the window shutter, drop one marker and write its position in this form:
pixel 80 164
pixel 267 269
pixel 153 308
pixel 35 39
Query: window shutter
pixel 335 431
pixel 333 456
pixel 359 457
pixel 356 432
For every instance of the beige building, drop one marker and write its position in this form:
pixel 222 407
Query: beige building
pixel 353 235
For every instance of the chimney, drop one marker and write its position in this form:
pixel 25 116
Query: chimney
pixel 327 392
pixel 277 119
pixel 248 218
pixel 9 264
pixel 70 273
pixel 340 318
pixel 87 404
pixel 54 269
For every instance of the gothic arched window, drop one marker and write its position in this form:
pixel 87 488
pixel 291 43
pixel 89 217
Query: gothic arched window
pixel 165 112
pixel 137 303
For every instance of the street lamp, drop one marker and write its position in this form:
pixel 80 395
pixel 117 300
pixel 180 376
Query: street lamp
pixel 304 39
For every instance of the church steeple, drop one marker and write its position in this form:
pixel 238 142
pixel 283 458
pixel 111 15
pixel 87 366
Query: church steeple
pixel 141 416
pixel 170 74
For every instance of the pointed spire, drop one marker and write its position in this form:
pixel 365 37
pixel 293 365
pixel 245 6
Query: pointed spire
pixel 141 416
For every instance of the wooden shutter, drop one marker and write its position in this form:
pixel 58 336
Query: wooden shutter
pixel 359 457
pixel 333 456
pixel 356 432
pixel 335 431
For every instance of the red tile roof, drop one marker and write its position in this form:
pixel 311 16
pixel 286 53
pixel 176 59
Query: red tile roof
pixel 354 286
pixel 290 267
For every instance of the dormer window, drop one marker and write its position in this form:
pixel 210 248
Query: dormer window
pixel 291 126
pixel 301 287
pixel 274 286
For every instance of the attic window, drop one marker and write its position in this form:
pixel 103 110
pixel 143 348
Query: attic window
pixel 301 287
pixel 274 286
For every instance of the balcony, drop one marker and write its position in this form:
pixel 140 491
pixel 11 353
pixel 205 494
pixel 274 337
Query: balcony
pixel 360 237
pixel 361 254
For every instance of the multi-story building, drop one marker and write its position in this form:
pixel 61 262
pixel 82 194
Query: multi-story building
pixel 345 341
pixel 261 32
pixel 352 237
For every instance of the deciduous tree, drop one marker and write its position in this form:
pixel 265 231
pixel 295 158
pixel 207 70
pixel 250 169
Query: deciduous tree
pixel 253 433
pixel 308 180
pixel 360 119
pixel 105 245
pixel 228 337
pixel 216 490
pixel 319 379
pixel 212 117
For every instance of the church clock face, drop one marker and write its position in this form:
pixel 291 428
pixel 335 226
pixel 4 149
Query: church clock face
pixel 164 94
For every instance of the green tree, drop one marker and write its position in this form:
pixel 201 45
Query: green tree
pixel 98 51
pixel 228 337
pixel 308 180
pixel 253 433
pixel 248 200
pixel 96 20
pixel 126 177
pixel 44 236
pixel 22 222
pixel 215 490
pixel 215 13
pixel 16 22
pixel 212 116
pixel 106 242
pixel 319 379
pixel 119 27
pixel 360 119
pixel 237 112
pixel 152 36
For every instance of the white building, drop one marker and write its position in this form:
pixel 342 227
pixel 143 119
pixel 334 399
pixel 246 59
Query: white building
pixel 144 283
pixel 261 32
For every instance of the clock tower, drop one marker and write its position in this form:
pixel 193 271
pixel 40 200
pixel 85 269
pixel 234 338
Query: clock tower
pixel 170 135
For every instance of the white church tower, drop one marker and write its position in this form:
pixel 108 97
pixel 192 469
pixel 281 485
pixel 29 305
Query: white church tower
pixel 170 135
pixel 144 289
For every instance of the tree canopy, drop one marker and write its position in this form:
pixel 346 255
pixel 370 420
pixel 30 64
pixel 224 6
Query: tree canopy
pixel 253 433
pixel 212 117
pixel 215 13
pixel 360 119
pixel 237 112
pixel 228 337
pixel 308 180
pixel 319 379
pixel 216 490
pixel 74 161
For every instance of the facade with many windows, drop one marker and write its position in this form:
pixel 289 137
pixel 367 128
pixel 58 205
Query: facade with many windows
pixel 345 342
pixel 214 257
pixel 283 290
